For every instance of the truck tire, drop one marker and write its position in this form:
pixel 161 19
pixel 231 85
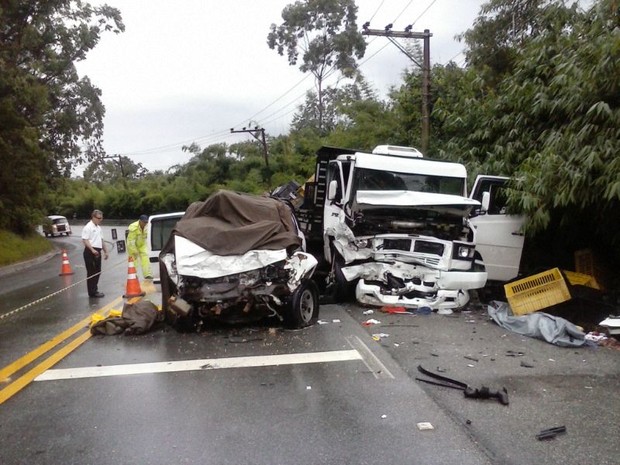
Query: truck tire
pixel 345 290
pixel 166 288
pixel 303 309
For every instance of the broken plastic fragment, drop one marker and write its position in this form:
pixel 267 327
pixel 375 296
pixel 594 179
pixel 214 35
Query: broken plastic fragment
pixel 424 426
pixel 393 309
pixel 444 311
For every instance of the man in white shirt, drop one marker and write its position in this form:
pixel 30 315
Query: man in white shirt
pixel 93 248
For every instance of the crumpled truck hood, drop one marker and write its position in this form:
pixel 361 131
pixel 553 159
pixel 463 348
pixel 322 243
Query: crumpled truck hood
pixel 445 203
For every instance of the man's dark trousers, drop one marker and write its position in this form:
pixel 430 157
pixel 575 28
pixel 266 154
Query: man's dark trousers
pixel 93 270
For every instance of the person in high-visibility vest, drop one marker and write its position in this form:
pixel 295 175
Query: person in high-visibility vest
pixel 137 245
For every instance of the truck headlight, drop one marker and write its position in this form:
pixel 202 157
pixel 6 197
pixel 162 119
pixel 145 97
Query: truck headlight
pixel 464 252
pixel 362 243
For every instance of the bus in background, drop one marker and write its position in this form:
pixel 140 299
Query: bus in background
pixel 159 228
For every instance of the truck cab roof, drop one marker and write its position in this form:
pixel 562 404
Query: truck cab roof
pixel 397 151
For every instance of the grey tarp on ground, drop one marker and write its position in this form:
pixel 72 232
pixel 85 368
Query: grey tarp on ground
pixel 232 223
pixel 550 328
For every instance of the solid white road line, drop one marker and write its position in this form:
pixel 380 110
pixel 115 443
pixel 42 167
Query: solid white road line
pixel 376 366
pixel 204 364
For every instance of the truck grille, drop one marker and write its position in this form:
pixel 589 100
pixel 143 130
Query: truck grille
pixel 397 244
pixel 425 247
pixel 430 261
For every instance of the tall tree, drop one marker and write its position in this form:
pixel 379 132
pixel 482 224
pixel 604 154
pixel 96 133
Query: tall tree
pixel 335 102
pixel 552 124
pixel 50 118
pixel 326 34
pixel 114 168
pixel 498 32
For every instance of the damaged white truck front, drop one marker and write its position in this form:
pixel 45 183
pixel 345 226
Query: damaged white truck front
pixel 395 227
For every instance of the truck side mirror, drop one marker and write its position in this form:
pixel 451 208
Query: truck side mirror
pixel 486 201
pixel 332 190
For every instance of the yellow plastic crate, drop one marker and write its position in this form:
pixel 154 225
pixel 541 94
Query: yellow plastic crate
pixel 536 292
pixel 581 279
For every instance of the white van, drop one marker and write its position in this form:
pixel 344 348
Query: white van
pixel 159 228
pixel 56 225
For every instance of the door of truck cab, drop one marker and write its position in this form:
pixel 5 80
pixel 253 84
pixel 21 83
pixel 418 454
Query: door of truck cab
pixel 499 237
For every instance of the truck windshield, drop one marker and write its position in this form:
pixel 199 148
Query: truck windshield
pixel 367 179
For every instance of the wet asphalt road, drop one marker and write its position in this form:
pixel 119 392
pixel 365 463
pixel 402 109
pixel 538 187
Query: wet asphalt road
pixel 364 409
pixel 361 409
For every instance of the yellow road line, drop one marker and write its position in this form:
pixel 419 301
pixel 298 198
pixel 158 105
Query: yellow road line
pixel 49 345
pixel 29 376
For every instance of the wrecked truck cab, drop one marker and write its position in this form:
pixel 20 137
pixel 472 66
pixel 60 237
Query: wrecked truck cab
pixel 393 228
pixel 409 248
pixel 238 258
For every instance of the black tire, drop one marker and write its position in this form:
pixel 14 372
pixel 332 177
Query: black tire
pixel 303 309
pixel 345 290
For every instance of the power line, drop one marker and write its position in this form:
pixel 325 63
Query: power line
pixel 219 134
pixel 402 11
pixel 424 12
pixel 222 134
pixel 377 10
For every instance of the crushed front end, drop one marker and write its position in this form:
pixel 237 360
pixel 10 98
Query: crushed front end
pixel 410 256
pixel 248 295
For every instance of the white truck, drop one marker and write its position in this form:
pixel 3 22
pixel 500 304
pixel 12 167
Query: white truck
pixel 395 228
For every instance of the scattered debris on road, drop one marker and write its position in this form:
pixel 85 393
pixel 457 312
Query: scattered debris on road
pixel 550 433
pixel 425 426
pixel 473 393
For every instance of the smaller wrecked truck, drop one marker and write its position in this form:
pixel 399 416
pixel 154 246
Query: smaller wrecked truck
pixel 238 258
pixel 395 228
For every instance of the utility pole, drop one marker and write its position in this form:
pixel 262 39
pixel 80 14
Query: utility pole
pixel 425 66
pixel 259 135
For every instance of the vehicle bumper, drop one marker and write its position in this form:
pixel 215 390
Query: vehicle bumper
pixel 371 294
pixel 416 286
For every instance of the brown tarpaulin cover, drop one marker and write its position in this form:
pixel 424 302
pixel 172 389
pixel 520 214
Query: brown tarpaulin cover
pixel 232 223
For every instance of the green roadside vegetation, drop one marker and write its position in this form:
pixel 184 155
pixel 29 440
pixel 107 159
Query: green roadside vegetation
pixel 15 249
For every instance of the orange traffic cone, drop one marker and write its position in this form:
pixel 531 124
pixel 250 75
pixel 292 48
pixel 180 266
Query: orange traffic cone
pixel 133 285
pixel 65 269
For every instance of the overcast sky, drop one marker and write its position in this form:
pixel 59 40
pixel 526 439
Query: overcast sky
pixel 190 70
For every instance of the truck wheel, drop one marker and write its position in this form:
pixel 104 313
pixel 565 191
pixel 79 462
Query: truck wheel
pixel 345 290
pixel 303 309
pixel 166 285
